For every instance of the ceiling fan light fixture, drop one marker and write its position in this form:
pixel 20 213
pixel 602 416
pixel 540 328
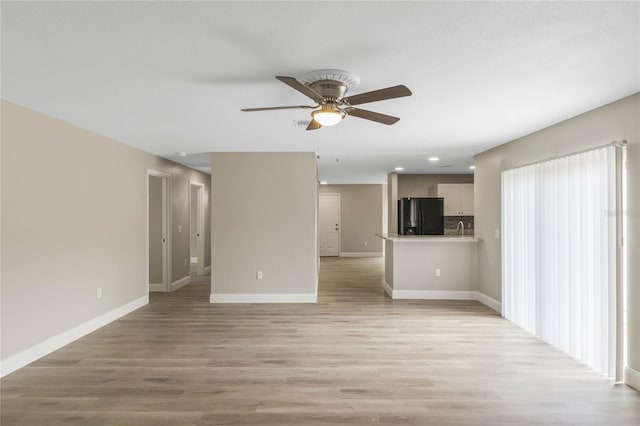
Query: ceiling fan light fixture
pixel 328 115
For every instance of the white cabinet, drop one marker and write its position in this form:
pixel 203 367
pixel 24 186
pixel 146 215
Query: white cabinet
pixel 458 198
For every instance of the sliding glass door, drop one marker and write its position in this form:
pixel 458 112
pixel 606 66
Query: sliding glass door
pixel 561 253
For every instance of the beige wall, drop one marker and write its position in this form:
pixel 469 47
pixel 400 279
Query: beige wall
pixel 426 185
pixel 616 121
pixel 206 199
pixel 74 218
pixel 264 218
pixel 388 263
pixel 360 216
pixel 415 263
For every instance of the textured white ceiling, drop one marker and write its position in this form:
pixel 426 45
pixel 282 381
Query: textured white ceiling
pixel 172 76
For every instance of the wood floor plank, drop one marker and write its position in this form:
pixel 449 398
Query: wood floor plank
pixel 356 357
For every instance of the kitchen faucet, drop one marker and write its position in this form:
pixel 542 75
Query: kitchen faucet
pixel 461 226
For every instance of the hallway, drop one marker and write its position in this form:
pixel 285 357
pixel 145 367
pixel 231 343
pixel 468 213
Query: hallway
pixel 356 357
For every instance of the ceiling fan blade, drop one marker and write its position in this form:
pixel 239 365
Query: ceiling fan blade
pixel 308 92
pixel 275 108
pixel 373 116
pixel 313 125
pixel 379 95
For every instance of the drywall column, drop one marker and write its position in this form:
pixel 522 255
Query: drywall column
pixel 264 227
pixel 385 209
pixel 392 200
pixel 615 121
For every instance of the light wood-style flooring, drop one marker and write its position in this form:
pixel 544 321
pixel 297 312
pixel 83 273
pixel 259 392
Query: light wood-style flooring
pixel 357 357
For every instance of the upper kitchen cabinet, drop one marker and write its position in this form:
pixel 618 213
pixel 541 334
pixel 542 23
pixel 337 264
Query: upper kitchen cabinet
pixel 458 198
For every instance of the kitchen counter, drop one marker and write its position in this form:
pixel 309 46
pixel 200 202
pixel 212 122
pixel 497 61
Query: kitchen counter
pixel 430 266
pixel 429 238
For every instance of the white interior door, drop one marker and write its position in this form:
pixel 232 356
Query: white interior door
pixel 329 224
pixel 196 228
pixel 158 231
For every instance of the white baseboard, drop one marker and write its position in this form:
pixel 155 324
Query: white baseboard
pixel 444 295
pixel 360 254
pixel 433 294
pixel 157 287
pixel 632 378
pixel 488 301
pixel 207 269
pixel 180 283
pixel 263 298
pixel 388 289
pixel 54 343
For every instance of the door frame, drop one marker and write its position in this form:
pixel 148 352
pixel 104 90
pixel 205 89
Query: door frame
pixel 331 194
pixel 199 225
pixel 166 228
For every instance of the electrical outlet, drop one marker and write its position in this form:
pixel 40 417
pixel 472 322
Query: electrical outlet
pixel 496 233
pixel 179 228
pixel 365 243
pixel 259 275
pixel 99 292
pixel 437 272
pixel 185 262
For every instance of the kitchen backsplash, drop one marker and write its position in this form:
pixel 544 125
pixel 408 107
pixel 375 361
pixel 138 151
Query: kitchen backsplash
pixel 450 223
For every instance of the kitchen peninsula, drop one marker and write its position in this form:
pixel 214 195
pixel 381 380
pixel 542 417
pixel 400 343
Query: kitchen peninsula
pixel 430 266
pixel 433 266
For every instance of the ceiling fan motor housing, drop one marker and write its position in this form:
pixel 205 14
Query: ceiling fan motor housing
pixel 331 90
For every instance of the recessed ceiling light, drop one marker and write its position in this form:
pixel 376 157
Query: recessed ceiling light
pixel 433 158
pixel 324 182
pixel 472 167
pixel 399 169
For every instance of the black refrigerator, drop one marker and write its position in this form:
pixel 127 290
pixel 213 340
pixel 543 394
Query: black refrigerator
pixel 421 216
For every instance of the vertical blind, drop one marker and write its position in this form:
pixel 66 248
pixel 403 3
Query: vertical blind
pixel 559 254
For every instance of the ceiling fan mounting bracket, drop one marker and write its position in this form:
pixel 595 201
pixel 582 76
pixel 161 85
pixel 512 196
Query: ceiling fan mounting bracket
pixel 350 80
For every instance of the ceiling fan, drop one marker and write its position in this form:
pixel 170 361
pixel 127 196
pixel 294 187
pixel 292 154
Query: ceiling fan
pixel 327 88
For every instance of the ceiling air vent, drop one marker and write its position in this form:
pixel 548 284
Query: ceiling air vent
pixel 301 124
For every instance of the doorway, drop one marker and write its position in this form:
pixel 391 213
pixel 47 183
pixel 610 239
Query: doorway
pixel 196 228
pixel 158 254
pixel 329 224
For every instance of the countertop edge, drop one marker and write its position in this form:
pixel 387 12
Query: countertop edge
pixel 428 238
